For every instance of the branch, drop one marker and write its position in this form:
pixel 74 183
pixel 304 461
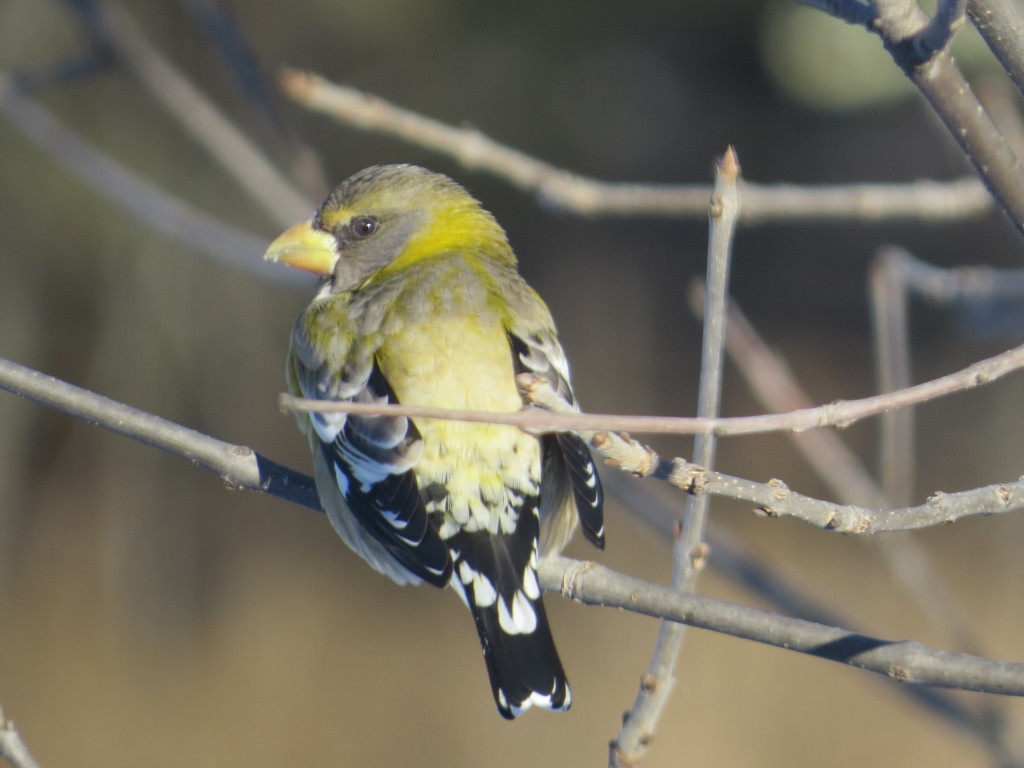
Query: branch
pixel 778 390
pixel 920 47
pixel 238 466
pixel 243 468
pixel 840 413
pixel 689 550
pixel 922 201
pixel 904 661
pixel 1000 22
pixel 743 566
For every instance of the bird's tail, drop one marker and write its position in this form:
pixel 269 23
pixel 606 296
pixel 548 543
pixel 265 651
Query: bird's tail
pixel 524 668
pixel 505 601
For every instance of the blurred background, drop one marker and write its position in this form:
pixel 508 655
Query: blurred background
pixel 150 617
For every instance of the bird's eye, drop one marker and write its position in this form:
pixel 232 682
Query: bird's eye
pixel 364 226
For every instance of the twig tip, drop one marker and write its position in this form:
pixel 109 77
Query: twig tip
pixel 296 83
pixel 729 165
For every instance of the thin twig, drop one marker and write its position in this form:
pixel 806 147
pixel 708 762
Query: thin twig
pixel 922 200
pixel 689 549
pixel 841 413
pixel 240 467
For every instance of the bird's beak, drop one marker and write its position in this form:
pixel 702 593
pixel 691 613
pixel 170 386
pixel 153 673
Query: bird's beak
pixel 304 248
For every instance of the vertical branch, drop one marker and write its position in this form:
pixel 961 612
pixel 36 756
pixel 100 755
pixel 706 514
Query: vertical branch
pixel 689 550
pixel 892 363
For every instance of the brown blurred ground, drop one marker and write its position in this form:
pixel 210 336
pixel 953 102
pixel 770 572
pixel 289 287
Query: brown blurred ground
pixel 148 617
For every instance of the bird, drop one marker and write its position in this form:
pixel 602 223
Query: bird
pixel 420 302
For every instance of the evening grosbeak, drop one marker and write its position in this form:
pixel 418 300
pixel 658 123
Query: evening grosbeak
pixel 421 303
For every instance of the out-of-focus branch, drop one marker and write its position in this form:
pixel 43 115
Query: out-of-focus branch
pixel 12 748
pixel 923 200
pixel 202 119
pixel 904 661
pixel 891 333
pixel 153 206
pixel 242 468
pixel 920 47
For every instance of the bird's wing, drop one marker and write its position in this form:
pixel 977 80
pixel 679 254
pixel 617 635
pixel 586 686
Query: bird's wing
pixel 567 459
pixel 372 459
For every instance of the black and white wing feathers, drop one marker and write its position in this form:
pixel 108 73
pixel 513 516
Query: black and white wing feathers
pixel 371 459
pixel 567 459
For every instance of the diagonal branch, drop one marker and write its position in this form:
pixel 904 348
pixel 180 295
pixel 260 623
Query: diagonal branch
pixel 150 204
pixel 919 45
pixel 203 120
pixel 238 466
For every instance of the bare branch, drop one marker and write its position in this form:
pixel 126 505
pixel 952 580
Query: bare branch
pixel 242 468
pixel 920 47
pixel 744 566
pixel 903 661
pixel 851 11
pixel 923 200
pixel 841 413
pixel 778 390
pixel 689 549
pixel 238 466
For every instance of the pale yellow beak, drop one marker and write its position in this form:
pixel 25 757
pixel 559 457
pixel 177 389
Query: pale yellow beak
pixel 305 248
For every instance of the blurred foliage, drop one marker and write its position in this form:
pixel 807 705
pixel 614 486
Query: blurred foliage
pixel 149 617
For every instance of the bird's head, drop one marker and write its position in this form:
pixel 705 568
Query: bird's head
pixel 383 219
